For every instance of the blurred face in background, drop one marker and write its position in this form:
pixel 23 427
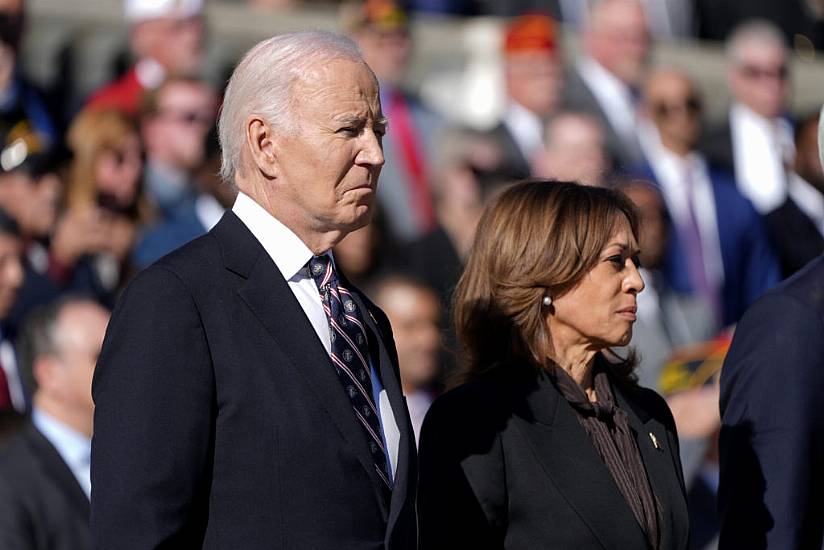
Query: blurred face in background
pixel 174 42
pixel 32 200
pixel 759 76
pixel 175 133
pixel 387 52
pixel 617 37
pixel 117 171
pixel 534 80
pixel 11 271
pixel 574 151
pixel 674 106
pixel 414 313
pixel 652 237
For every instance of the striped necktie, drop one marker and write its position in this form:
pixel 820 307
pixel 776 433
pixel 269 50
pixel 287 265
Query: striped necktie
pixel 350 357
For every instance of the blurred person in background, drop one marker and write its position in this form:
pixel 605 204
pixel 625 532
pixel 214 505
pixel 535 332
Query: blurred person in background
pixel 20 100
pixel 177 128
pixel 755 141
pixel 381 28
pixel 12 387
pixel 796 227
pixel 606 80
pixel 574 150
pixel 45 482
pixel 718 248
pixel 771 492
pixel 166 37
pixel 414 312
pixel 364 253
pixel 533 79
pixel 104 193
pixel 471 168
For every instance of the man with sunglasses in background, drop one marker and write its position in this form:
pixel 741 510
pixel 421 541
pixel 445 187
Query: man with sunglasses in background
pixel 175 122
pixel 718 250
pixel 756 141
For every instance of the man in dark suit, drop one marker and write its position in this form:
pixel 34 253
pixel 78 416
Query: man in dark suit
pixel 44 470
pixel 718 249
pixel 247 395
pixel 606 79
pixel 797 226
pixel 771 492
pixel 755 140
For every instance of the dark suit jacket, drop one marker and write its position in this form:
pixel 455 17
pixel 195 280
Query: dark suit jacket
pixel 578 97
pixel 772 423
pixel 42 506
pixel 505 463
pixel 220 422
pixel 750 265
pixel 794 235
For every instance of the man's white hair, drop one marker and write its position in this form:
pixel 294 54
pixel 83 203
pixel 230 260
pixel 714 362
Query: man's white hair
pixel 753 31
pixel 262 83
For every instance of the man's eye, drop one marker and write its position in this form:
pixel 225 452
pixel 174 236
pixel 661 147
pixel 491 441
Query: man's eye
pixel 380 131
pixel 349 131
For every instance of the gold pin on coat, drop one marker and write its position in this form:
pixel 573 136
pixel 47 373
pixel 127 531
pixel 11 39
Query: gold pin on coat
pixel 655 441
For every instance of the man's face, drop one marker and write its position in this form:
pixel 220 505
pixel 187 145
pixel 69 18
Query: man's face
pixel 534 80
pixel 32 201
pixel 175 135
pixel 11 272
pixel 386 52
pixel 759 77
pixel 674 106
pixel 620 40
pixel 81 328
pixel 575 151
pixel 175 42
pixel 328 167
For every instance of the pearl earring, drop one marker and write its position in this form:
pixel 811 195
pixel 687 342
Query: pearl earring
pixel 547 301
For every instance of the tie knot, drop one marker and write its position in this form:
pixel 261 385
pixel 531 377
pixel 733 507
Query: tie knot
pixel 322 270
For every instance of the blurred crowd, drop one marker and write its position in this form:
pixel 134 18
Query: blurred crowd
pixel 91 195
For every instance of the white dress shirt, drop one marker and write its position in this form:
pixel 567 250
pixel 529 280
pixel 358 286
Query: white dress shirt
pixel 808 199
pixel 291 255
pixel 761 149
pixel 73 447
pixel 526 128
pixel 612 95
pixel 670 171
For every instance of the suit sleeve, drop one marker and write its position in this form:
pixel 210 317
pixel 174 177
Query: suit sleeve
pixel 154 401
pixel 762 269
pixel 772 423
pixel 461 480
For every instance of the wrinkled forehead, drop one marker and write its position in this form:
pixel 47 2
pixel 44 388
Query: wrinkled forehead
pixel 340 84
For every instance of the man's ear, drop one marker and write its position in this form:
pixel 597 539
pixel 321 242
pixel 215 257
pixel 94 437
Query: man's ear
pixel 44 369
pixel 261 142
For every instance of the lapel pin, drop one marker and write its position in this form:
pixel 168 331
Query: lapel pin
pixel 654 441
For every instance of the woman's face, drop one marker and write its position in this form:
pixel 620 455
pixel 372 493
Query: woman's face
pixel 600 311
pixel 118 170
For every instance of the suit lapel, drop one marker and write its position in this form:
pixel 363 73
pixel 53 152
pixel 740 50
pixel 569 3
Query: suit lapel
pixel 57 469
pixel 269 297
pixel 569 458
pixel 388 371
pixel 659 458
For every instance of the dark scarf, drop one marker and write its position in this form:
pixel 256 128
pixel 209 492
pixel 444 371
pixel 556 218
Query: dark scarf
pixel 608 428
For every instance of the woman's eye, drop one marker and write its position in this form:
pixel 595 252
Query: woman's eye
pixel 617 260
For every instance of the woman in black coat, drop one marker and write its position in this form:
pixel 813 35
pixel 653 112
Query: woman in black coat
pixel 549 443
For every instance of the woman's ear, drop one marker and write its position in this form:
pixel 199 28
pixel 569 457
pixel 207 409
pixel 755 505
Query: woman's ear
pixel 261 141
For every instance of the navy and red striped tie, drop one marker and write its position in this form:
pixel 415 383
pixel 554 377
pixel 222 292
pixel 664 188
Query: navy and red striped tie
pixel 350 357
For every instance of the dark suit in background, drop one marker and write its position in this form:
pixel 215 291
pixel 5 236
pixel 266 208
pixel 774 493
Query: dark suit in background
pixel 771 493
pixel 505 463
pixel 795 237
pixel 217 401
pixel 42 506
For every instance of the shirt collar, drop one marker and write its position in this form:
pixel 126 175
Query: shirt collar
pixel 74 447
pixel 289 253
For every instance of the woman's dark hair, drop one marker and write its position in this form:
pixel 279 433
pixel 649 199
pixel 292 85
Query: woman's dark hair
pixel 536 238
